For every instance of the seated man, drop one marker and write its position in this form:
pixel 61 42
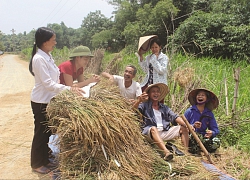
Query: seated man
pixel 129 88
pixel 201 117
pixel 157 118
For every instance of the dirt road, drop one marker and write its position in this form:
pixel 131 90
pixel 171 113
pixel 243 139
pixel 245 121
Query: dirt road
pixel 16 119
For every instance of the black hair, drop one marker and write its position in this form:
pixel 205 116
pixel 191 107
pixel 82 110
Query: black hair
pixel 206 92
pixel 42 35
pixel 135 70
pixel 155 40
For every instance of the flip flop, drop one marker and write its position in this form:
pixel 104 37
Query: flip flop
pixel 52 166
pixel 168 157
pixel 42 170
pixel 174 149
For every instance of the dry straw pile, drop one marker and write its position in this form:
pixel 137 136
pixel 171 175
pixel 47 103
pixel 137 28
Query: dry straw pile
pixel 100 137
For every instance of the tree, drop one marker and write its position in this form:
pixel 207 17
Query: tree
pixel 221 32
pixel 95 22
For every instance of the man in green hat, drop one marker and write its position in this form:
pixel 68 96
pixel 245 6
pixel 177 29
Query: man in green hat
pixel 73 69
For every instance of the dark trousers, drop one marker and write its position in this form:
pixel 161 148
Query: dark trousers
pixel 40 149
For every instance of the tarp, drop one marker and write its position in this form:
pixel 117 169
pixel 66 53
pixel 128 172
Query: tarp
pixel 214 169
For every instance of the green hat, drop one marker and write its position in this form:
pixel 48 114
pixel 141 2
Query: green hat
pixel 81 51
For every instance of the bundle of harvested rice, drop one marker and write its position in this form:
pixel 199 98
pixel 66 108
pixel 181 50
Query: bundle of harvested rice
pixel 184 76
pixel 100 137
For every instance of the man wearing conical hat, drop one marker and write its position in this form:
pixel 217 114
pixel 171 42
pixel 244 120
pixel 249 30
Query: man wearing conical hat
pixel 160 122
pixel 201 117
pixel 73 69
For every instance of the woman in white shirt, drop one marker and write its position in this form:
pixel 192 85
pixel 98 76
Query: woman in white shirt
pixel 154 65
pixel 46 75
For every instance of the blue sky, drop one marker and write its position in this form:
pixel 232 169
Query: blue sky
pixel 25 15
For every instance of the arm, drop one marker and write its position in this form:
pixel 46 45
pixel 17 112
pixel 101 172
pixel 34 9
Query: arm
pixel 180 121
pixel 81 82
pixel 143 97
pixel 107 75
pixel 213 127
pixel 159 65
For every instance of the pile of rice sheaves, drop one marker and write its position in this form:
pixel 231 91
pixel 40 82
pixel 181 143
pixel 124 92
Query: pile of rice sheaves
pixel 100 137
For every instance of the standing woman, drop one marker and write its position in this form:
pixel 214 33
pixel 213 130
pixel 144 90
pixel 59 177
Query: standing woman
pixel 46 75
pixel 154 65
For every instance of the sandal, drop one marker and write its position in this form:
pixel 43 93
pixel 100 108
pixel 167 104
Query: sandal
pixel 52 166
pixel 168 157
pixel 172 148
pixel 42 170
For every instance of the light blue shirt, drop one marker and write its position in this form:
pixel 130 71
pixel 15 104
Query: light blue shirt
pixel 159 68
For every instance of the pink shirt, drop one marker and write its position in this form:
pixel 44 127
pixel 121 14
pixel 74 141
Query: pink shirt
pixel 68 67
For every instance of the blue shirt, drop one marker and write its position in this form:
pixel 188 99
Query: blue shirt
pixel 168 116
pixel 193 114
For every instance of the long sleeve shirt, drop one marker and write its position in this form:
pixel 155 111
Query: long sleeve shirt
pixel 159 64
pixel 168 116
pixel 192 114
pixel 46 78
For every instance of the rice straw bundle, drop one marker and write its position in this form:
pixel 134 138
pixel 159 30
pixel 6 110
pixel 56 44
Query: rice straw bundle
pixel 101 136
pixel 184 76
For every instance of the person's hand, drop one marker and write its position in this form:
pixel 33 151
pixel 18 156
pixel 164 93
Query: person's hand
pixel 95 78
pixel 208 134
pixel 75 89
pixel 143 97
pixel 132 101
pixel 197 124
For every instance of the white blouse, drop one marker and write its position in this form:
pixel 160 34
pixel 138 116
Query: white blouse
pixel 46 78
pixel 159 68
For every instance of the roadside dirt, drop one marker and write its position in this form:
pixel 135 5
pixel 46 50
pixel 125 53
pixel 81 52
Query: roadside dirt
pixel 16 119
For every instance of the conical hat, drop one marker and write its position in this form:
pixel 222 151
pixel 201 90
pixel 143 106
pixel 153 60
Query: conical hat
pixel 144 43
pixel 212 101
pixel 163 89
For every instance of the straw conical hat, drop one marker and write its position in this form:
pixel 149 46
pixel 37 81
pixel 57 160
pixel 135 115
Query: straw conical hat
pixel 212 103
pixel 144 43
pixel 163 89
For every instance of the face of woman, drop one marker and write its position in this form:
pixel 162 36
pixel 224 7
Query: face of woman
pixel 201 97
pixel 155 49
pixel 83 61
pixel 49 45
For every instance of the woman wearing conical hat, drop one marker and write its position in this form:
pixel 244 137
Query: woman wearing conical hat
pixel 201 117
pixel 154 65
pixel 73 69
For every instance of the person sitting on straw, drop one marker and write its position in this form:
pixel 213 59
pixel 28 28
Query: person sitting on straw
pixel 201 117
pixel 129 88
pixel 158 118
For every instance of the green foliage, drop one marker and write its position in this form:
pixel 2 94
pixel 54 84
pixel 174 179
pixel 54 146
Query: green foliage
pixel 150 19
pixel 221 32
pixel 94 23
pixel 60 55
